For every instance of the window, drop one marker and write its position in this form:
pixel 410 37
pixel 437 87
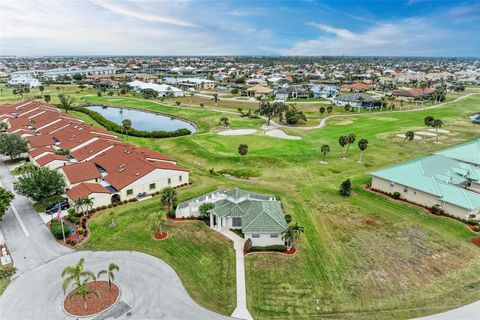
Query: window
pixel 129 192
pixel 180 178
pixel 169 181
pixel 255 235
pixel 236 222
pixel 405 189
pixel 152 186
pixel 274 235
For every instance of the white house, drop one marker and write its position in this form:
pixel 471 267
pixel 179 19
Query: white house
pixel 23 82
pixel 163 90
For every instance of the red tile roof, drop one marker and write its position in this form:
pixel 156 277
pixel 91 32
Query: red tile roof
pixel 38 151
pixel 82 171
pixel 40 141
pixel 413 93
pixel 84 190
pixel 49 158
pixel 91 149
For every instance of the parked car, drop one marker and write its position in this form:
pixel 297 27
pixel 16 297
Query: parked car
pixel 141 195
pixel 53 208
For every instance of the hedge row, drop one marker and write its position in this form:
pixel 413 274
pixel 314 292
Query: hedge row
pixel 112 126
pixel 279 248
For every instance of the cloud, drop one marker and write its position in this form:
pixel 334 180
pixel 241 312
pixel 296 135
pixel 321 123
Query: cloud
pixel 405 37
pixel 136 13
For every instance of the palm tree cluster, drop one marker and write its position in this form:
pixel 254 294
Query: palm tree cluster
pixel 430 121
pixel 291 234
pixel 80 278
pixel 83 205
pixel 66 101
pixel 168 198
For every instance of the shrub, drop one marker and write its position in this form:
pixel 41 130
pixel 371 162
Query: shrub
pixel 288 218
pixel 125 201
pixel 157 193
pixel 103 207
pixel 115 204
pixel 277 248
pixel 345 188
pixel 109 206
pixel 248 245
pixel 56 229
pixel 437 210
pixel 73 218
pixel 85 233
pixel 81 230
pixel 396 195
pixel 93 210
pixel 71 211
pixel 72 242
pixel 473 222
pixel 7 272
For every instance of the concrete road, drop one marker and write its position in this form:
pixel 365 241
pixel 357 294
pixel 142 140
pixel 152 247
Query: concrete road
pixel 30 242
pixel 150 289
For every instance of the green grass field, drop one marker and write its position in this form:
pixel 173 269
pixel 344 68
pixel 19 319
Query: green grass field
pixel 362 257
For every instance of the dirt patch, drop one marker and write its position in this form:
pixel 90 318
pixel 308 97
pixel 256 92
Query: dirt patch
pixel 75 305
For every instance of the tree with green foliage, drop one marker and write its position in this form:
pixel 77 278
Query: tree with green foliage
pixel 204 208
pixel 291 234
pixel 3 126
pixel 350 139
pixel 329 109
pixel 345 188
pixel 428 121
pixel 66 101
pixel 322 111
pixel 110 272
pixel 271 110
pixel 155 219
pixel 342 141
pixel 409 135
pixel 127 125
pixel 6 198
pixel 58 90
pixel 242 150
pixel 324 150
pixel 168 198
pixel 437 124
pixel 41 88
pixel 47 98
pixel 12 145
pixel 215 99
pixel 224 122
pixel 75 274
pixel 294 116
pixel 40 184
pixel 362 145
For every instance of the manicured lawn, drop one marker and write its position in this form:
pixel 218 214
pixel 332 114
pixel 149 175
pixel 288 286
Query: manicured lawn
pixel 362 257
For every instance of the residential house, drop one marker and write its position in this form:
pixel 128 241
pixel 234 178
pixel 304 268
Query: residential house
pixel 259 91
pixel 23 82
pixel 357 101
pixel 413 94
pixel 259 217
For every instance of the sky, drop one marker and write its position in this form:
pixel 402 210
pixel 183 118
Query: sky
pixel 240 27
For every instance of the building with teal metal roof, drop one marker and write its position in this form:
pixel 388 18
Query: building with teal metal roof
pixel 260 217
pixel 449 179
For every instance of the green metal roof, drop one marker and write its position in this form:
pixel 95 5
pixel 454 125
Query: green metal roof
pixel 467 152
pixel 258 216
pixel 437 175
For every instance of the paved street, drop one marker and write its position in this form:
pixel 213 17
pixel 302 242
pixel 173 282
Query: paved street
pixel 150 289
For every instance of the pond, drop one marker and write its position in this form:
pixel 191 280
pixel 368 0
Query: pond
pixel 141 120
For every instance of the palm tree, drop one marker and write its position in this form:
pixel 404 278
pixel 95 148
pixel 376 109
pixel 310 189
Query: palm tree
pixel 329 109
pixel 127 125
pixel 155 220
pixel 83 290
pixel 110 272
pixel 325 149
pixel 437 123
pixel 191 97
pixel 215 99
pixel 428 121
pixel 47 98
pixel 343 141
pixel 242 150
pixel 66 101
pixel 202 105
pixel 88 203
pixel 362 145
pixel 168 198
pixel 58 90
pixel 350 139
pixel 322 111
pixel 409 135
pixel 75 273
pixel 291 234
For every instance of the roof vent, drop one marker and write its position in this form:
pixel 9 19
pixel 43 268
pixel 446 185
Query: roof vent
pixel 121 168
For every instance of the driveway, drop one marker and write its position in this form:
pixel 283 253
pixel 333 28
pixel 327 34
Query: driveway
pixel 150 289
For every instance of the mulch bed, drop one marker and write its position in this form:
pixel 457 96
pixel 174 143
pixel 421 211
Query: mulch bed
pixel 475 241
pixel 290 252
pixel 160 235
pixel 75 306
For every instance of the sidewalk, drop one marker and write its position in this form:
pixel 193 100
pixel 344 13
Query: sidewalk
pixel 241 310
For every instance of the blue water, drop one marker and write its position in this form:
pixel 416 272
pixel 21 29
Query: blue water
pixel 143 120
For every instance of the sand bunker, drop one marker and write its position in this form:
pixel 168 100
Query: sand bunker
pixel 237 132
pixel 277 133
